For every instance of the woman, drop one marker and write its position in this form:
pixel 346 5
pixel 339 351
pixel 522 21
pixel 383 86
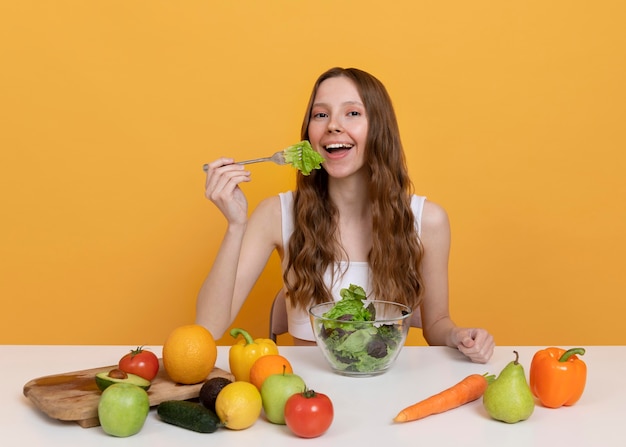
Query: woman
pixel 355 221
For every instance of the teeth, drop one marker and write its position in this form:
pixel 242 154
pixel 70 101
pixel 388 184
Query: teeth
pixel 339 146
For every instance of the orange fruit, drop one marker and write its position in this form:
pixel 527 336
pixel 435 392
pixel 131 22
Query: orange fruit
pixel 266 366
pixel 189 354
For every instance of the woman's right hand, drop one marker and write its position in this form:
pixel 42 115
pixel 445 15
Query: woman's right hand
pixel 222 188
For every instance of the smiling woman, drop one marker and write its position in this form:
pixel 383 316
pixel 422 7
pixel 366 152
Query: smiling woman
pixel 354 221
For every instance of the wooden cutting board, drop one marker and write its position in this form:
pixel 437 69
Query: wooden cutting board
pixel 74 396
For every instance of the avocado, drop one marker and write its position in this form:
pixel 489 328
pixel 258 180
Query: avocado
pixel 105 379
pixel 210 389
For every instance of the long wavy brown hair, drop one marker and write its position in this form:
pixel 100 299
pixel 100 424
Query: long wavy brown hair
pixel 396 250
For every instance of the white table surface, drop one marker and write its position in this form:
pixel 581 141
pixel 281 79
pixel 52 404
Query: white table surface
pixel 364 407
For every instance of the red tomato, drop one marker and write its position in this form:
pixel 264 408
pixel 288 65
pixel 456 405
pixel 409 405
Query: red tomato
pixel 141 363
pixel 309 414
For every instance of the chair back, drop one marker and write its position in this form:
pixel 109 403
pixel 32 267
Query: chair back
pixel 278 315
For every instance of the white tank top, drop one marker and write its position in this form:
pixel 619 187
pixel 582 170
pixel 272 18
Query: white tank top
pixel 357 273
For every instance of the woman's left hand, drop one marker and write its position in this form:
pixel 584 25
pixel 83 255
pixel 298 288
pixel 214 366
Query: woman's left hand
pixel 476 344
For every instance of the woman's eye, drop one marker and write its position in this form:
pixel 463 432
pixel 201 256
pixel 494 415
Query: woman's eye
pixel 320 115
pixel 354 113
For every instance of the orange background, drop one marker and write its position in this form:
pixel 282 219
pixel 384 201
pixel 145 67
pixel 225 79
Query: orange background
pixel 512 115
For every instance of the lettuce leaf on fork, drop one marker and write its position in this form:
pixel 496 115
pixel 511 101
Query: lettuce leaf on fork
pixel 302 157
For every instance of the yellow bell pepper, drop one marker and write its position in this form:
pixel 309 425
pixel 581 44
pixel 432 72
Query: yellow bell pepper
pixel 246 351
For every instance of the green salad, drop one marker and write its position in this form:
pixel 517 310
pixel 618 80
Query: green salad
pixel 303 157
pixel 355 344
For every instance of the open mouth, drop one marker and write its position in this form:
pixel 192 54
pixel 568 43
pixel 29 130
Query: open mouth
pixel 338 147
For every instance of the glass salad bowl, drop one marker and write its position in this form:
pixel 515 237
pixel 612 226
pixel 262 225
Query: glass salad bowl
pixel 361 348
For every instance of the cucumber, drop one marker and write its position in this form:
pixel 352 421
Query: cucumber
pixel 189 415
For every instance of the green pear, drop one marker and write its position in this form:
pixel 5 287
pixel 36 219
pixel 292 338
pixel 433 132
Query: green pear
pixel 508 398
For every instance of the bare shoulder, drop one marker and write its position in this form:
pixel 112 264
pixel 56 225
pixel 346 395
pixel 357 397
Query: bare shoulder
pixel 434 218
pixel 269 208
pixel 265 220
pixel 435 234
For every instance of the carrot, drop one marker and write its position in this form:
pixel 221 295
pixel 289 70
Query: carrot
pixel 467 390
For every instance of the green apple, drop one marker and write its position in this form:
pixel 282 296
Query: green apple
pixel 123 409
pixel 275 391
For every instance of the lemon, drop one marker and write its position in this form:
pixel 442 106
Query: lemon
pixel 189 354
pixel 238 405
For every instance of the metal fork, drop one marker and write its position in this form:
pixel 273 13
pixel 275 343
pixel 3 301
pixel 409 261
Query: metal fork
pixel 277 157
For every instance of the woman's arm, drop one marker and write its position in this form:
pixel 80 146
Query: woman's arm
pixel 438 327
pixel 244 251
pixel 435 236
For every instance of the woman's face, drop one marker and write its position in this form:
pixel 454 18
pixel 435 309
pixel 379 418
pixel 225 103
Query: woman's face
pixel 338 126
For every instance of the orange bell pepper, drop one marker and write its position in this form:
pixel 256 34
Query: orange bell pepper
pixel 557 376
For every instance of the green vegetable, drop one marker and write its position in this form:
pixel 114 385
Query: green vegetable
pixel 189 415
pixel 352 340
pixel 105 379
pixel 303 157
pixel 350 308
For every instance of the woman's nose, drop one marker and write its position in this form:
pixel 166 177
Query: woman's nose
pixel 334 126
